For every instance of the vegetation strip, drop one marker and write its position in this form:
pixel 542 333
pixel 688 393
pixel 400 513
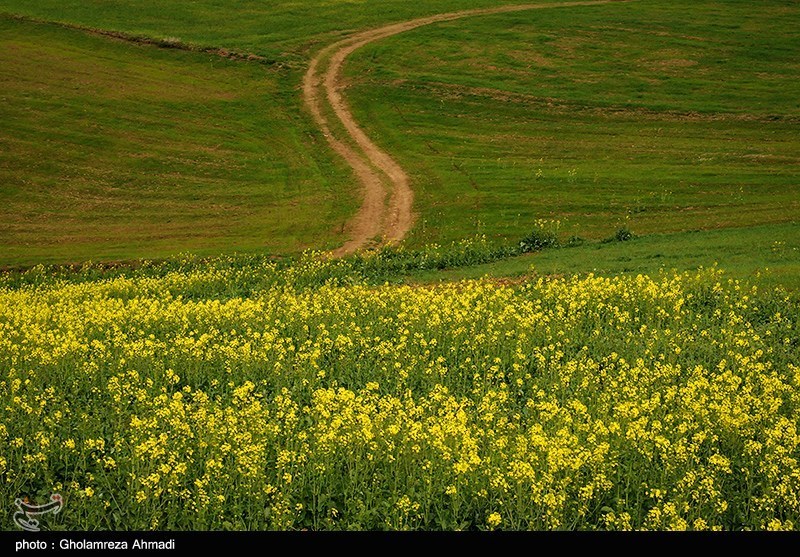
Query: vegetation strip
pixel 166 42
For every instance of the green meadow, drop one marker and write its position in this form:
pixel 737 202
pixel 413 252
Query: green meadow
pixel 285 31
pixel 114 151
pixel 673 119
pixel 660 116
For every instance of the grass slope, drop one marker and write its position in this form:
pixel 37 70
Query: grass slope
pixel 285 31
pixel 115 152
pixel 667 116
pixel 110 150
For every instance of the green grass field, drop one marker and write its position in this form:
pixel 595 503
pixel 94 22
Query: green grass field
pixel 665 116
pixel 285 31
pixel 113 151
pixel 662 116
pixel 110 150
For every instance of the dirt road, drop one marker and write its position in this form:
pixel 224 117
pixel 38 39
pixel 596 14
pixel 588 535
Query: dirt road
pixel 379 174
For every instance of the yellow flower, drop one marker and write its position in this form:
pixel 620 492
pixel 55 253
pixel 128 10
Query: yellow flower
pixel 494 520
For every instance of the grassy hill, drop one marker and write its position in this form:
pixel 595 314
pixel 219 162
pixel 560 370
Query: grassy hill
pixel 111 150
pixel 285 31
pixel 662 116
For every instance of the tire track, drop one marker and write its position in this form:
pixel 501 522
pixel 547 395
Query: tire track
pixel 375 169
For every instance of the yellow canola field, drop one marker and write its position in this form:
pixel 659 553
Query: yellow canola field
pixel 581 403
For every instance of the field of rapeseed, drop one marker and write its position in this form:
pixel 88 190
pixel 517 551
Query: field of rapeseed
pixel 172 401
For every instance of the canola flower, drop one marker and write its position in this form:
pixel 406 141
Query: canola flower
pixel 670 402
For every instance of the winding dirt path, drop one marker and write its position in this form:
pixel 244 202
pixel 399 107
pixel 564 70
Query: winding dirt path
pixel 376 169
